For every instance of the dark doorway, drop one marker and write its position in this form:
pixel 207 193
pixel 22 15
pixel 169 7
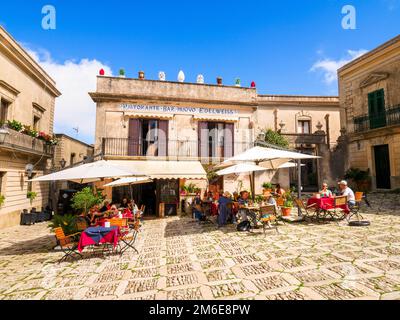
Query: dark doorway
pixel 146 195
pixel 382 167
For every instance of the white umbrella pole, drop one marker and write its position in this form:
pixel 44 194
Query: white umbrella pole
pixel 299 183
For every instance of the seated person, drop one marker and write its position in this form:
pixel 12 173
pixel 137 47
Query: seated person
pixel 325 192
pixel 132 206
pixel 269 200
pixel 346 191
pixel 125 203
pixel 245 213
pixel 106 206
pixel 279 191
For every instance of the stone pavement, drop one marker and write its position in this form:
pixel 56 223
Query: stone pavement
pixel 181 259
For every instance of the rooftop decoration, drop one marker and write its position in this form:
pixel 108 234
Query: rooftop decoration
pixel 102 72
pixel 122 73
pixel 219 81
pixel 141 75
pixel 253 84
pixel 161 76
pixel 181 76
pixel 200 79
pixel 237 82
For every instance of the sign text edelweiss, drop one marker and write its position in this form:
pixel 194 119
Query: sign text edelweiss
pixel 179 110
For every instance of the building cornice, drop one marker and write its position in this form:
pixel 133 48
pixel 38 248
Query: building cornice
pixel 20 57
pixel 376 54
pixel 297 100
pixel 9 88
pixel 117 97
pixel 63 135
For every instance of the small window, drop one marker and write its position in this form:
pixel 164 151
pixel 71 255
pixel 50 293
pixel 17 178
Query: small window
pixel 304 126
pixel 36 123
pixel 4 111
pixel 2 180
pixel 72 159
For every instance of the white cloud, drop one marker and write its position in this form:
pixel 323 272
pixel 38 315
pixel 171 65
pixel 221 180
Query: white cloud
pixel 329 67
pixel 74 79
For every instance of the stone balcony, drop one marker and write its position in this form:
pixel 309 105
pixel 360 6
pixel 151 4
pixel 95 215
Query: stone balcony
pixel 20 142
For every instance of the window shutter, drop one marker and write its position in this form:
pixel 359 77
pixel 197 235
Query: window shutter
pixel 134 137
pixel 229 140
pixel 163 138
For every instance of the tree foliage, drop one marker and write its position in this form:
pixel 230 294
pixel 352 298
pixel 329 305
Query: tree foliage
pixel 85 199
pixel 275 138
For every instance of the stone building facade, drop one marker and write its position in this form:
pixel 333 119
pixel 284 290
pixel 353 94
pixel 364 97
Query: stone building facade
pixel 369 90
pixel 27 95
pixel 205 123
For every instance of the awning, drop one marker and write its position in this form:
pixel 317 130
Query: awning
pixel 148 115
pixel 166 169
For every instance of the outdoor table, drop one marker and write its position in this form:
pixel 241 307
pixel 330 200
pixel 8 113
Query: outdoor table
pixel 325 203
pixel 98 235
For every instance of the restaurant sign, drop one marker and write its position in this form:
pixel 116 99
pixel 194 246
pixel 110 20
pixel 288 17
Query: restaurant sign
pixel 179 110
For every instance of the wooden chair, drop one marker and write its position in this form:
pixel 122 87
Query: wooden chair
pixel 310 211
pixel 355 210
pixel 336 209
pixel 268 215
pixel 280 202
pixel 68 244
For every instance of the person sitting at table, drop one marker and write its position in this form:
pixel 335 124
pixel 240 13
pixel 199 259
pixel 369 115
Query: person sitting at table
pixel 224 202
pixel 346 191
pixel 132 206
pixel 269 200
pixel 106 206
pixel 235 196
pixel 244 212
pixel 279 190
pixel 325 192
pixel 124 203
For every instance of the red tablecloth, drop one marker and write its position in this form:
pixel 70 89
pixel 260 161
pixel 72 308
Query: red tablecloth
pixel 326 203
pixel 109 236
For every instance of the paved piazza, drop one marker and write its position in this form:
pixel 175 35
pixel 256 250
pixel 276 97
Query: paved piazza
pixel 180 259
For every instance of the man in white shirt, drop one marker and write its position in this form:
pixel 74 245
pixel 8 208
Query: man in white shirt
pixel 346 191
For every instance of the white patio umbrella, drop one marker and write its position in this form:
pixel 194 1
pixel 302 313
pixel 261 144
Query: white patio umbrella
pixel 270 158
pixel 240 168
pixel 90 172
pixel 128 181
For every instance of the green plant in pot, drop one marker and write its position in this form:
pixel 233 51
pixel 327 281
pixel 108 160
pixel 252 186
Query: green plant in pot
pixel 361 178
pixel 31 196
pixel 66 222
pixel 267 187
pixel 259 199
pixel 83 200
pixel 288 203
pixel 2 199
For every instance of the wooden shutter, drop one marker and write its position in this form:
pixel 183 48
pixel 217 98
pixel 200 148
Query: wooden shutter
pixel 203 139
pixel 229 140
pixel 163 138
pixel 134 137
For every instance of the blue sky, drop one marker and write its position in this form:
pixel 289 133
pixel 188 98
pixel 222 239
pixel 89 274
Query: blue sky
pixel 274 43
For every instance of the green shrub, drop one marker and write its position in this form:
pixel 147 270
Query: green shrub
pixel 267 185
pixel 275 138
pixel 2 199
pixel 67 223
pixel 83 200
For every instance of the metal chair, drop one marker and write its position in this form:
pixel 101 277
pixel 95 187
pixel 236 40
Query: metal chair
pixel 268 215
pixel 68 244
pixel 310 211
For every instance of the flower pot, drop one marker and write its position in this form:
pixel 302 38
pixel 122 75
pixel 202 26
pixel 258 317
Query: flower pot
pixel 219 81
pixel 286 212
pixel 141 75
pixel 265 191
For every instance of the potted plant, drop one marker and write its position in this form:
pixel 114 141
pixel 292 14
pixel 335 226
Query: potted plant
pixel 361 178
pixel 66 222
pixel 15 125
pixel 267 187
pixel 219 81
pixel 121 73
pixel 31 196
pixel 287 208
pixel 83 200
pixel 2 199
pixel 259 199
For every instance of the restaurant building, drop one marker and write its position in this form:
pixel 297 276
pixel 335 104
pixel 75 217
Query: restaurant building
pixel 175 131
pixel 369 90
pixel 27 96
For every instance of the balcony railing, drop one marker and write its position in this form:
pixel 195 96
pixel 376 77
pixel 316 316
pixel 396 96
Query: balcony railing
pixel 178 149
pixel 390 117
pixel 23 143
